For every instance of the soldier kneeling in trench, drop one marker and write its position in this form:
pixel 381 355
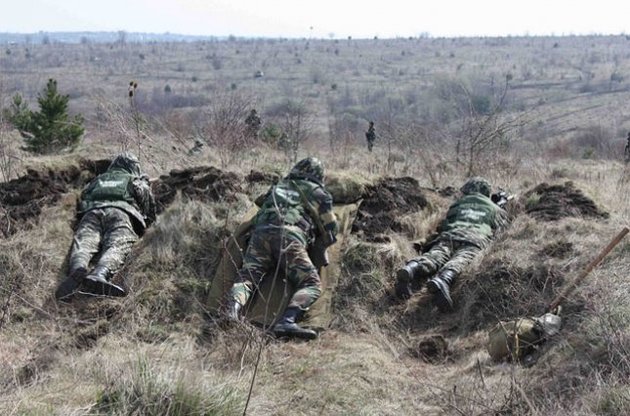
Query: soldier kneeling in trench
pixel 113 211
pixel 468 228
pixel 293 212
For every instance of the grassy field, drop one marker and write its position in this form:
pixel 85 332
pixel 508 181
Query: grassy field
pixel 157 351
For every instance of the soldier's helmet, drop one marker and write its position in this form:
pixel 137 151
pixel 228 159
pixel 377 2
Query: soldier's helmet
pixel 476 184
pixel 127 161
pixel 309 168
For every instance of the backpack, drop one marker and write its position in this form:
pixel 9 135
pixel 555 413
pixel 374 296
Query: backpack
pixel 519 337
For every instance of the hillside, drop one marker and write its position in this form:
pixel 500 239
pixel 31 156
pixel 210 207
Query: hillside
pixel 158 351
pixel 544 118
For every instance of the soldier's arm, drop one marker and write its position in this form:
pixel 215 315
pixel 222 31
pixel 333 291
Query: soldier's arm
pixel 324 203
pixel 144 198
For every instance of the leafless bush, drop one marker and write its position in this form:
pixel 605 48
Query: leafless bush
pixel 224 127
pixel 8 156
pixel 296 121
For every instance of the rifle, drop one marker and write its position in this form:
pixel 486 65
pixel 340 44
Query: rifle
pixel 501 198
pixel 323 239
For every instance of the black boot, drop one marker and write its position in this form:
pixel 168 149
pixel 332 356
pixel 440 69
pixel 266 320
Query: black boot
pixel 287 326
pixel 440 286
pixel 409 278
pixel 71 283
pixel 97 283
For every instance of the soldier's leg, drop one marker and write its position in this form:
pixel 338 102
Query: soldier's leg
pixel 302 273
pixel 256 261
pixel 86 241
pixel 85 244
pixel 410 277
pixel 118 240
pixel 440 285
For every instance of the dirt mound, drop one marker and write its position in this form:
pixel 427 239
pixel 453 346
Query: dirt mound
pixel 22 199
pixel 552 202
pixel 385 202
pixel 502 289
pixel 202 183
pixel 256 176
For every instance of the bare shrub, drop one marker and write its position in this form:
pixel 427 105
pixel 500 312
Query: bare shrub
pixel 296 121
pixel 224 125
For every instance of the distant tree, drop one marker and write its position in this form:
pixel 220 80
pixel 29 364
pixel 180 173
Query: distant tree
pixel 18 113
pixel 49 130
pixel 296 121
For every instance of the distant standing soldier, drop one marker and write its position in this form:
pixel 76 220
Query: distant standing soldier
pixel 253 124
pixel 370 135
pixel 626 151
pixel 113 211
pixel 284 228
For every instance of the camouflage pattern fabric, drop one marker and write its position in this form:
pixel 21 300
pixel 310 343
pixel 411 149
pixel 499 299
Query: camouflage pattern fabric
pixel 449 253
pixel 276 250
pixel 467 229
pixel 142 208
pixel 106 230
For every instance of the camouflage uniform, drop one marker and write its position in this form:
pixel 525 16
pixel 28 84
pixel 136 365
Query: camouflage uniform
pixel 626 150
pixel 282 233
pixel 370 135
pixel 253 123
pixel 468 228
pixel 113 211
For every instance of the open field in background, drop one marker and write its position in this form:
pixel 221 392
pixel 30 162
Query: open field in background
pixel 569 92
pixel 157 351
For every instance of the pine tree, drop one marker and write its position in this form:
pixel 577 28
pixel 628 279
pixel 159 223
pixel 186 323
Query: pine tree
pixel 50 129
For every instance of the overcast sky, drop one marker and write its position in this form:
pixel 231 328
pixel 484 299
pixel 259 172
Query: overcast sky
pixel 319 18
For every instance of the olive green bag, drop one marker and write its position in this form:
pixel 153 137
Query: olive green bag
pixel 517 338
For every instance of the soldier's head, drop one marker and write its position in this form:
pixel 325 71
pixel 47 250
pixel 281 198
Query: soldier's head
pixel 478 185
pixel 127 161
pixel 310 168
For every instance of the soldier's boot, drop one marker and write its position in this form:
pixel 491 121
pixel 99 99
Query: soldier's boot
pixel 440 287
pixel 410 277
pixel 287 326
pixel 70 284
pixel 97 283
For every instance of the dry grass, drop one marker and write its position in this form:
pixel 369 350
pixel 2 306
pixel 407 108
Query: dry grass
pixel 159 352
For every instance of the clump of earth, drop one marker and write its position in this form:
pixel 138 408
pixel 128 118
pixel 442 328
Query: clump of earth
pixel 385 202
pixel 552 202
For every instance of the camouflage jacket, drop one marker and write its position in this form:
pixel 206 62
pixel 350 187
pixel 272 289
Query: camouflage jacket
pixel 120 189
pixel 473 218
pixel 285 204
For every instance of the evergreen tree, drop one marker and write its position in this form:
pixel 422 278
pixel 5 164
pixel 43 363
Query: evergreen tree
pixel 50 129
pixel 18 113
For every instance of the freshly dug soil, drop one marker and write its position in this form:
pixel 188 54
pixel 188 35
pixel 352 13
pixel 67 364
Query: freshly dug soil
pixel 552 202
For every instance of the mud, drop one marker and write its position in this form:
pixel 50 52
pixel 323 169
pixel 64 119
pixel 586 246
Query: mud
pixel 553 202
pixel 384 203
pixel 202 183
pixel 431 349
pixel 22 199
pixel 502 290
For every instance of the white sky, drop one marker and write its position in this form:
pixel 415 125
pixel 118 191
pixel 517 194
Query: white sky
pixel 319 18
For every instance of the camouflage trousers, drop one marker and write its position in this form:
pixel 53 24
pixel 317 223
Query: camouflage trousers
pixel 272 251
pixel 451 252
pixel 106 232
